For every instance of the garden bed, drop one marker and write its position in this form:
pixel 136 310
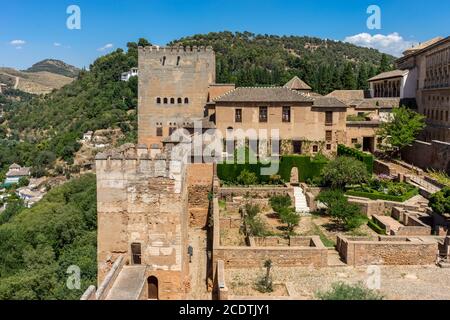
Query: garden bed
pixel 385 190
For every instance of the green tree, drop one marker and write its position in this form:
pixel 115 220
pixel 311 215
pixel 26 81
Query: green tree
pixel 348 77
pixel 402 130
pixel 346 214
pixel 440 201
pixel 344 171
pixel 279 202
pixel 384 64
pixel 362 83
pixel 289 217
pixel 342 291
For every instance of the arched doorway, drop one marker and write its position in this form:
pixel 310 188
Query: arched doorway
pixel 294 177
pixel 152 288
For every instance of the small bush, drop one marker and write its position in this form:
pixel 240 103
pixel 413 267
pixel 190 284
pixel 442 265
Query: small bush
pixel 247 178
pixel 279 202
pixel 341 291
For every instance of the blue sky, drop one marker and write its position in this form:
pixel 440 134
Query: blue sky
pixel 32 30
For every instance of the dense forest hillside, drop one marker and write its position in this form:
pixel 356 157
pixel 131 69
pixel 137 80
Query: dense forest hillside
pixel 248 59
pixel 38 245
pixel 56 67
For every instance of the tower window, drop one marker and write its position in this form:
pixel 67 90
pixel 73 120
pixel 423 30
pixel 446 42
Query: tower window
pixel 180 101
pixel 158 100
pixel 172 101
pixel 186 100
pixel 164 61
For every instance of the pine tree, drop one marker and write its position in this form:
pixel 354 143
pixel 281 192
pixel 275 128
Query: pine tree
pixel 384 64
pixel 362 78
pixel 348 77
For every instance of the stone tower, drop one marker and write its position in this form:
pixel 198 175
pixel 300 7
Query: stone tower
pixel 173 89
pixel 143 217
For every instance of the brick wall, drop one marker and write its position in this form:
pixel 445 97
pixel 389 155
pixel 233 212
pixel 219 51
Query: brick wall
pixel 387 251
pixel 199 179
pixel 426 155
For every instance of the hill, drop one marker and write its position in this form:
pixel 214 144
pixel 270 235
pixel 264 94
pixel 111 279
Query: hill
pixel 55 67
pixel 249 59
pixel 41 82
pixel 38 245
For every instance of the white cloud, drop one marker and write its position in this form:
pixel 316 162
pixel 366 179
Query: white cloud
pixel 393 43
pixel 57 44
pixel 106 47
pixel 18 43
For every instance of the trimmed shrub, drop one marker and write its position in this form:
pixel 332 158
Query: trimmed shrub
pixel 382 196
pixel 307 169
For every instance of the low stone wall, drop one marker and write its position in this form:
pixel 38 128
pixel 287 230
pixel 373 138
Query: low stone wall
pixel 230 222
pixel 380 167
pixel 92 294
pixel 387 251
pixel 426 155
pixel 378 207
pixel 315 254
pixel 412 224
pixel 220 287
pixel 228 193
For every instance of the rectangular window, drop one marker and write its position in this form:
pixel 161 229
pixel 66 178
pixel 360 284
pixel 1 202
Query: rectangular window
pixel 354 140
pixel 286 114
pixel 238 115
pixel 328 146
pixel 159 132
pixel 262 114
pixel 329 118
pixel 329 136
pixel 315 149
pixel 172 130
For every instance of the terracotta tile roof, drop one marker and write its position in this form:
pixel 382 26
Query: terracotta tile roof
pixel 389 74
pixel 327 102
pixel 347 95
pixel 297 84
pixel 376 103
pixel 263 94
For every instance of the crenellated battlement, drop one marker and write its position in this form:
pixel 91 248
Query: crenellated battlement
pixel 138 161
pixel 175 50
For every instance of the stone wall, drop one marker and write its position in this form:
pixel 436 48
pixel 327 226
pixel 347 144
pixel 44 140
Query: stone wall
pixel 379 207
pixel 199 179
pixel 143 200
pixel 228 193
pixel 387 251
pixel 426 155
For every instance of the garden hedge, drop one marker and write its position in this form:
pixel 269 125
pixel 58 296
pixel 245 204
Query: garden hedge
pixel 382 196
pixel 366 158
pixel 307 168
